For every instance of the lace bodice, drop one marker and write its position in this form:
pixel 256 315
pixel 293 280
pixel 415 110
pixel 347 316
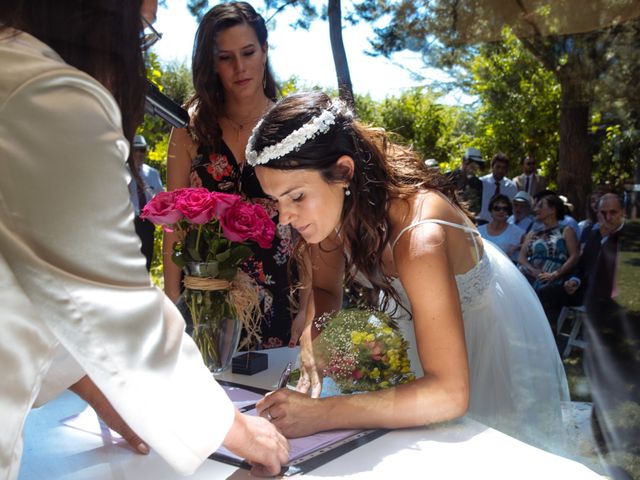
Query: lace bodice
pixel 472 285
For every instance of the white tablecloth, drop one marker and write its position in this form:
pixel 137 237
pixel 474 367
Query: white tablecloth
pixel 464 449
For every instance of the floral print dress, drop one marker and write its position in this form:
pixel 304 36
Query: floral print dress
pixel 547 250
pixel 219 171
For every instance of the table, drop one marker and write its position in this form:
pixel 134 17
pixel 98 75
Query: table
pixel 462 449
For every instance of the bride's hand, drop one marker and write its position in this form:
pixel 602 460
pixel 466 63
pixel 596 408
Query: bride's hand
pixel 310 380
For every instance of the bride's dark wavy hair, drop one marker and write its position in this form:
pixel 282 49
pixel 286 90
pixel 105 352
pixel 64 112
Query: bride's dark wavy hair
pixel 383 171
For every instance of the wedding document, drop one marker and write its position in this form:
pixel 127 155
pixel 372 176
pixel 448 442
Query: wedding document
pixel 305 453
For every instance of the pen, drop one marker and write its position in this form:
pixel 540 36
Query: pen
pixel 284 378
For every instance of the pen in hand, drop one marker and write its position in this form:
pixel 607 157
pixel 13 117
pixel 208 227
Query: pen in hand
pixel 282 382
pixel 284 377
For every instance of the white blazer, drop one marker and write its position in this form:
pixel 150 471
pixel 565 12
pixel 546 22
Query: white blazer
pixel 75 296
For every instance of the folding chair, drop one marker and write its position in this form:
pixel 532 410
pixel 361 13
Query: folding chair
pixel 574 337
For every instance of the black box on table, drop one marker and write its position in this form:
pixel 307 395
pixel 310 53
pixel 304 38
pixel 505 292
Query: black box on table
pixel 250 363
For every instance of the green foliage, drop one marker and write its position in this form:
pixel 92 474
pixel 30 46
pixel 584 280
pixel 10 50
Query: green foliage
pixel 519 104
pixel 419 119
pixel 174 80
pixel 614 162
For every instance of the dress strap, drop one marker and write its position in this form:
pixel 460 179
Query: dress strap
pixel 465 228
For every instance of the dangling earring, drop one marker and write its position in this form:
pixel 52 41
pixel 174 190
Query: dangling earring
pixel 264 79
pixel 347 192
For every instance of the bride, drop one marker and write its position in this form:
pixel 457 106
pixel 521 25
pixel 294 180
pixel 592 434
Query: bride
pixel 481 337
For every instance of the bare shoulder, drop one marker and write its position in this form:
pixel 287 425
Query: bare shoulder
pixel 181 141
pixel 418 209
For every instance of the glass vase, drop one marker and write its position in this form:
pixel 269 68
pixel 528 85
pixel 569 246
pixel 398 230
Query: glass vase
pixel 216 328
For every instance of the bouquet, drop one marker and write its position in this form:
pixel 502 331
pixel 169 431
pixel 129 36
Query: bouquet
pixel 362 350
pixel 213 229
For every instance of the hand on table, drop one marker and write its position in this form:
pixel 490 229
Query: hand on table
pixel 259 442
pixel 90 393
pixel 310 380
pixel 292 412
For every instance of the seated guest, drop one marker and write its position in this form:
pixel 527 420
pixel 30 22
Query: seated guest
pixel 522 204
pixel 549 254
pixel 583 279
pixel 505 235
pixel 568 220
pixel 612 331
pixel 564 219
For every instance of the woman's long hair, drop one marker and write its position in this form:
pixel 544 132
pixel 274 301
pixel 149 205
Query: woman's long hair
pixel 207 103
pixel 99 37
pixel 383 171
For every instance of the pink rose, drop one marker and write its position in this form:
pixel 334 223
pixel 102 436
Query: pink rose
pixel 266 228
pixel 239 222
pixel 223 201
pixel 196 204
pixel 161 209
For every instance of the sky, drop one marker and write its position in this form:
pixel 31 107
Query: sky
pixel 306 54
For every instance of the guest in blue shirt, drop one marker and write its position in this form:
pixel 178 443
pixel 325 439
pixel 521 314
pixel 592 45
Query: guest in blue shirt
pixel 145 183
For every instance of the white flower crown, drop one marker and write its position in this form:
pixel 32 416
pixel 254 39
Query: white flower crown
pixel 295 139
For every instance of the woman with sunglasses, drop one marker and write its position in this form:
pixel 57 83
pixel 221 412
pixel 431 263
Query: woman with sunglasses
pixel 77 308
pixel 503 234
pixel 233 88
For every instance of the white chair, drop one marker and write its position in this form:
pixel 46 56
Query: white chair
pixel 574 337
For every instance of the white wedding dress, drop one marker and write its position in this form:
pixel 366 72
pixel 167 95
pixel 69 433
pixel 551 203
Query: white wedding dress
pixel 517 378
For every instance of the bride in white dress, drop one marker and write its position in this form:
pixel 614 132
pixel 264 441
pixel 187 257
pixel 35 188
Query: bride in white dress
pixel 482 343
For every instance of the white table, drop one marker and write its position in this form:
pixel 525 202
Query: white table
pixel 464 449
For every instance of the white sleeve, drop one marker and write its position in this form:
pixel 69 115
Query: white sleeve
pixel 72 248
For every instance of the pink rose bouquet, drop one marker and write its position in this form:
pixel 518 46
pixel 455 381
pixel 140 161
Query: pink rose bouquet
pixel 212 227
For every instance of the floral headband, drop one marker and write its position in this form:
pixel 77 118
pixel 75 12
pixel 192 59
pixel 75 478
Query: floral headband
pixel 295 139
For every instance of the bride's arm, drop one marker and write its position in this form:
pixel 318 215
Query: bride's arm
pixel 443 393
pixel 325 266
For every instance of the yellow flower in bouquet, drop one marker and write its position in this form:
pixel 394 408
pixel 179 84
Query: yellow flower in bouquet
pixel 362 350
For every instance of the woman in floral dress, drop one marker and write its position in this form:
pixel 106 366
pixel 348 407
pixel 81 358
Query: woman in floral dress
pixel 233 88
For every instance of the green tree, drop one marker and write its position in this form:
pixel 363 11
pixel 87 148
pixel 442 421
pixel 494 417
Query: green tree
pixel 519 104
pixel 580 49
pixel 417 118
pixel 308 12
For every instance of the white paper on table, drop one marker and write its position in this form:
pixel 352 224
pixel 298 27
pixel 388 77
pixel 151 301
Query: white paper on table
pixel 88 421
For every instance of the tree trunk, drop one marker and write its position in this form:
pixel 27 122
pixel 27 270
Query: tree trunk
pixel 345 88
pixel 574 166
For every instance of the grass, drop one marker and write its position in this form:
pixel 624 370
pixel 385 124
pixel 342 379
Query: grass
pixel 629 270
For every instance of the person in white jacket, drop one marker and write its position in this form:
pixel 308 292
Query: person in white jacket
pixel 77 309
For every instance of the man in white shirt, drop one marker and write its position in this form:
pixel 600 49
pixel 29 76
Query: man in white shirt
pixel 494 183
pixel 529 181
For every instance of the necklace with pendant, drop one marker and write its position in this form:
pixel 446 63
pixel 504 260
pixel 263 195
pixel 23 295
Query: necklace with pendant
pixel 249 121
